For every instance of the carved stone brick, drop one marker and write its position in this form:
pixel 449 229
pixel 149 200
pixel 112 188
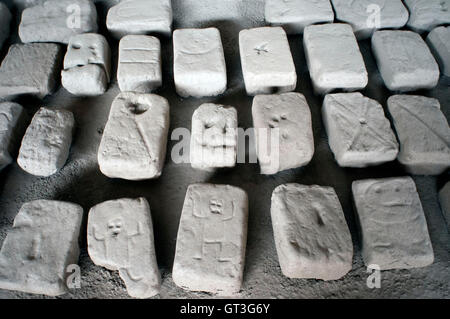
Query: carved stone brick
pixel 211 239
pixel 120 237
pixel 393 227
pixel 134 141
pixel 311 235
pixel 41 245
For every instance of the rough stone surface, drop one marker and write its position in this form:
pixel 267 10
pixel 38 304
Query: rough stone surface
pixel 333 58
pixel 211 239
pixel 427 14
pixel 404 61
pixel 139 67
pixel 87 65
pixel 5 21
pixel 359 134
pixel 366 16
pixel 57 20
pixel 30 69
pixel 394 230
pixel 295 15
pixel 423 133
pixel 140 17
pixel 12 124
pixel 266 59
pixel 41 245
pixel 444 199
pixel 311 235
pixel 214 137
pixel 283 131
pixel 120 237
pixel 199 62
pixel 46 144
pixel 134 141
pixel 439 42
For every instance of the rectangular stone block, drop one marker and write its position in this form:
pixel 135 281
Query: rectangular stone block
pixel 311 235
pixel 283 131
pixel 439 42
pixel 366 16
pixel 43 243
pixel 266 59
pixel 57 20
pixel 404 61
pixel 87 65
pixel 295 15
pixel 444 199
pixel 5 21
pixel 427 14
pixel 333 58
pixel 358 131
pixel 214 137
pixel 199 62
pixel 30 69
pixel 211 239
pixel 46 144
pixel 423 133
pixel 134 140
pixel 120 237
pixel 392 223
pixel 140 17
pixel 12 125
pixel 139 67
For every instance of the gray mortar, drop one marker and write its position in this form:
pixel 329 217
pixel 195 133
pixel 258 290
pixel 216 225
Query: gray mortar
pixel 81 182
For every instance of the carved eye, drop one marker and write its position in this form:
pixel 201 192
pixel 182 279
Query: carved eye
pixel 76 46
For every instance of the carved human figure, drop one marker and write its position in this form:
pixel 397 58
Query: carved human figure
pixel 120 237
pixel 393 226
pixel 215 215
pixel 211 239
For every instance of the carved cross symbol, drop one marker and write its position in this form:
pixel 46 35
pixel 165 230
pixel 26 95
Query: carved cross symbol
pixel 345 113
pixel 261 48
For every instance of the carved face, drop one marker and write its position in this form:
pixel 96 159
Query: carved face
pixel 218 132
pixel 216 206
pixel 389 194
pixel 115 227
pixel 85 49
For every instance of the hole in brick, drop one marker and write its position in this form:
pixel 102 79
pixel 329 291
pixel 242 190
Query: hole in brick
pixel 137 108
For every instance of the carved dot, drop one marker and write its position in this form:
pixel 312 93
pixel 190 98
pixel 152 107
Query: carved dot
pixel 363 121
